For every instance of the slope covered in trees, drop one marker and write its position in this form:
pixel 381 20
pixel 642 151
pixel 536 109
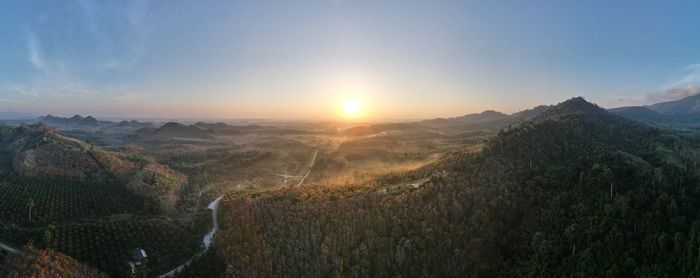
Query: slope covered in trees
pixel 43 153
pixel 575 192
pixel 44 264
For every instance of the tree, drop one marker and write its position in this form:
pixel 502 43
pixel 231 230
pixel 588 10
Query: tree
pixel 30 206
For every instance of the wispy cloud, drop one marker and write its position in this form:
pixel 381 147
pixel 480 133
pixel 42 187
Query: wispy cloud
pixel 62 75
pixel 673 93
pixel 34 52
pixel 54 79
pixel 653 97
pixel 686 85
pixel 691 76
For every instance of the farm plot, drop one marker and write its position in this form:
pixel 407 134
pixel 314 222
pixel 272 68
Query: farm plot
pixel 108 245
pixel 38 202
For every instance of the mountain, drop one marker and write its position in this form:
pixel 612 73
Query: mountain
pixel 213 126
pixel 641 113
pixel 686 106
pixel 488 121
pixel 496 120
pixel 176 129
pixel 133 124
pixel 683 113
pixel 76 120
pixel 469 119
pixel 197 130
pixel 575 192
pixel 41 152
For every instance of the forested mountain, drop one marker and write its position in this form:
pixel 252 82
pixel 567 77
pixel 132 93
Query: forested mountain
pixel 683 113
pixel 575 192
pixel 487 120
pixel 686 106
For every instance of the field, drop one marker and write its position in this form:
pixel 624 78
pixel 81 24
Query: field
pixel 54 202
pixel 108 245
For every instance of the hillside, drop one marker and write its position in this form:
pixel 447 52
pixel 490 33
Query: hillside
pixel 682 113
pixel 175 129
pixel 577 192
pixel 40 152
pixel 483 118
pixel 45 264
pixel 686 106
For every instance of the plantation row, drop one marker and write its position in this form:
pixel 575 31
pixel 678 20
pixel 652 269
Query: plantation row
pixel 107 246
pixel 58 201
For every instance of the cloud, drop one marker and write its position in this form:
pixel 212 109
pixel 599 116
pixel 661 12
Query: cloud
pixel 34 52
pixel 686 85
pixel 691 76
pixel 60 74
pixel 654 97
pixel 673 94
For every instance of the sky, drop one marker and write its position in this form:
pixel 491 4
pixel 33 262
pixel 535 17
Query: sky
pixel 302 59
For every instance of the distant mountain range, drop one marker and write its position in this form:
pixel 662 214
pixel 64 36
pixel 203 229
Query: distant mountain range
pixel 75 120
pixel 680 113
pixel 488 119
pixel 88 121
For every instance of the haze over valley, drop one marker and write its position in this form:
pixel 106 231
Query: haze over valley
pixel 349 138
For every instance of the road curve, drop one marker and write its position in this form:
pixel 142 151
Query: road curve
pixel 8 248
pixel 207 240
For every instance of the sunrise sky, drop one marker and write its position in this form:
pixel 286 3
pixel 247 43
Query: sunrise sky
pixel 306 59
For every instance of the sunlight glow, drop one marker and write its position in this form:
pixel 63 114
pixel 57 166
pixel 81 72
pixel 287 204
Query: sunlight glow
pixel 351 108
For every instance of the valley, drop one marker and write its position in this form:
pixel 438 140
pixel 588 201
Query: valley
pixel 458 195
pixel 349 138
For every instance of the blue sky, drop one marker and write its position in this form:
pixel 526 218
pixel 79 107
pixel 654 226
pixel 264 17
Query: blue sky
pixel 300 59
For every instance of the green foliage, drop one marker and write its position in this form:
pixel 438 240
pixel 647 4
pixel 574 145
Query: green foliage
pixel 573 194
pixel 108 245
pixel 61 201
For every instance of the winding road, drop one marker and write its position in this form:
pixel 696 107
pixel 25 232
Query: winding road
pixel 209 237
pixel 207 240
pixel 8 248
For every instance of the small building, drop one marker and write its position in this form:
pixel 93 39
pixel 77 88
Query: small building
pixel 139 260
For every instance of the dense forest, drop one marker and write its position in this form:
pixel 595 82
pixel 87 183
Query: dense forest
pixel 574 192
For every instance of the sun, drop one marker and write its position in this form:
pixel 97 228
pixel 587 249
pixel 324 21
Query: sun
pixel 351 108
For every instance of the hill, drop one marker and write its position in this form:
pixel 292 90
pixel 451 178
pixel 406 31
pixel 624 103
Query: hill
pixel 487 120
pixel 43 153
pixel 133 124
pixel 686 106
pixel 683 113
pixel 641 113
pixel 486 117
pixel 44 264
pixel 175 129
pixel 577 191
pixel 76 120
